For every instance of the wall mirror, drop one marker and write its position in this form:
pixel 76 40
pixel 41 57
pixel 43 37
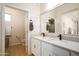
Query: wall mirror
pixel 47 23
pixel 66 19
pixel 70 22
pixel 50 25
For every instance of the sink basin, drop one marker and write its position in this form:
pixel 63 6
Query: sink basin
pixel 65 41
pixel 47 38
pixel 50 38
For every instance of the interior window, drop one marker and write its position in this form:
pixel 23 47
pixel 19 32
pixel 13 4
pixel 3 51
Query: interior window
pixel 8 24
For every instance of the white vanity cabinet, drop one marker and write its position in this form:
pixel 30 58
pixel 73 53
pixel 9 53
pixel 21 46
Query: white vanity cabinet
pixel 35 46
pixel 40 47
pixel 47 49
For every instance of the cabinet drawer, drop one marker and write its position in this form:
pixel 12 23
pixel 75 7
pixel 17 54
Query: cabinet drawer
pixel 46 52
pixel 47 49
pixel 60 51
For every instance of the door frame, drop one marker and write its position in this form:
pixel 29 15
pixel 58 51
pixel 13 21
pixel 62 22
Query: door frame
pixel 3 29
pixel 3 26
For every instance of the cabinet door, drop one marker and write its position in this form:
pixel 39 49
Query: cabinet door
pixel 47 49
pixel 35 47
pixel 46 52
pixel 60 51
pixel 74 54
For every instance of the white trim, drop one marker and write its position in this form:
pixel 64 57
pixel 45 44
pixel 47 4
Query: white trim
pixel 15 7
pixel 3 29
pixel 3 45
pixel 48 10
pixel 26 38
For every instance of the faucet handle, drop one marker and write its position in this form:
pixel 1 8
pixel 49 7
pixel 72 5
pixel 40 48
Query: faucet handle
pixel 43 34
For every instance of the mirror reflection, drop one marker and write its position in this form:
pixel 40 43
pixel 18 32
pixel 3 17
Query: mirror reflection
pixel 70 22
pixel 50 27
pixel 61 20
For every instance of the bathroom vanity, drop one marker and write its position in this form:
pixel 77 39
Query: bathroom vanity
pixel 46 46
pixel 66 22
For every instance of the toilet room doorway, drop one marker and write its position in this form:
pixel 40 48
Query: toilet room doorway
pixel 16 31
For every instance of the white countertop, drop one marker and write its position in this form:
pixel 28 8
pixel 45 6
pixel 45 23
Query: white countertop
pixel 70 45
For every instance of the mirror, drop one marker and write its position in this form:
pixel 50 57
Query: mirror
pixel 66 19
pixel 50 26
pixel 47 23
pixel 70 22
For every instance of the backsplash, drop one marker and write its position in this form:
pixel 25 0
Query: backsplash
pixel 74 38
pixel 71 37
pixel 51 34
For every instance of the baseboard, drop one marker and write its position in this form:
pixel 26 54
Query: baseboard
pixel 14 44
pixel 30 54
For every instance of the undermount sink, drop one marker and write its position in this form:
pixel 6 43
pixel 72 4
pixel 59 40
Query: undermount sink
pixel 56 38
pixel 51 38
pixel 47 38
pixel 65 41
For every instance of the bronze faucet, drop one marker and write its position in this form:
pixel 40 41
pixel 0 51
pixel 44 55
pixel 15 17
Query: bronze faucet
pixel 60 36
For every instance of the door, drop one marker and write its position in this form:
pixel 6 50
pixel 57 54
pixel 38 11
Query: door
pixel 17 25
pixel 35 46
